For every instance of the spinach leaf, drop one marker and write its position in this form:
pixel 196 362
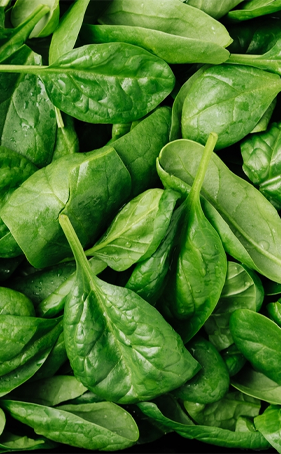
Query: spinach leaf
pixel 121 349
pixel 247 214
pixel 225 412
pixel 27 120
pixel 228 100
pixel 242 289
pixel 137 230
pixel 91 196
pixel 169 17
pixel 214 8
pixel 65 35
pixel 96 84
pixel 255 8
pixel 10 442
pixel 54 303
pixel 261 162
pixel 86 424
pixel 23 8
pixel 274 311
pixel 233 359
pixel 265 119
pixel 49 391
pixel 256 384
pixel 270 61
pixel 211 383
pixel 261 346
pixel 56 358
pixel 269 425
pixel 15 303
pixel 27 342
pixel 16 37
pixel 148 276
pixel 173 419
pixel 170 47
pixel 200 265
pixel 2 421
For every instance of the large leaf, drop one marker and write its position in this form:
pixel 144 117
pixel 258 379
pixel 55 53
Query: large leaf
pixel 228 100
pixel 100 426
pixel 248 215
pixel 119 346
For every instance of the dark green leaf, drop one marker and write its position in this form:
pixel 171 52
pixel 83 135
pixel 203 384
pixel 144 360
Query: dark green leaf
pixel 269 425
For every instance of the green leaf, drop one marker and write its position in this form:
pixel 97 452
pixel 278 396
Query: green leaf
pixel 251 226
pixel 261 346
pixel 124 351
pixel 65 35
pixel 137 230
pixel 242 289
pixel 67 141
pixel 49 391
pixel 90 196
pixel 2 421
pixel 170 47
pixel 233 359
pixel 262 164
pixel 228 100
pixel 211 383
pixel 27 120
pixel 256 384
pixel 83 426
pixel 274 311
pixel 225 412
pixel 214 8
pixel 56 358
pixel 23 8
pixel 269 425
pixel 169 17
pixel 15 303
pixel 213 435
pixel 255 8
pixel 10 442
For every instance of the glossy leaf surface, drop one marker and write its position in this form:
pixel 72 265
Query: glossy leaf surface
pixel 255 8
pixel 86 426
pixel 46 26
pixel 126 350
pixel 248 215
pixel 228 100
pixel 214 8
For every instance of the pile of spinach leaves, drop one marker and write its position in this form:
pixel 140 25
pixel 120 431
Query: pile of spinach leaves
pixel 140 238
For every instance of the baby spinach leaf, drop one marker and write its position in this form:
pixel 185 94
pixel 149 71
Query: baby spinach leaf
pixel 16 37
pixel 170 47
pixel 169 17
pixel 15 303
pixel 10 442
pixel 242 289
pixel 270 61
pixel 173 419
pixel 261 346
pixel 274 311
pixel 262 163
pixel 49 391
pixel 23 8
pixel 83 426
pixel 262 125
pixel 214 8
pixel 148 276
pixel 56 358
pixel 91 196
pixel 200 266
pixel 225 412
pixel 137 230
pixel 247 214
pixel 141 146
pixel 27 342
pixel 212 381
pixel 2 421
pixel 255 8
pixel 256 384
pixel 54 303
pixel 269 425
pixel 228 100
pixel 27 120
pixel 114 349
pixel 96 84
pixel 65 35
pixel 233 359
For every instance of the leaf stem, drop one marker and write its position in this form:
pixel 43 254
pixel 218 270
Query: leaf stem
pixel 25 69
pixel 74 243
pixel 194 194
